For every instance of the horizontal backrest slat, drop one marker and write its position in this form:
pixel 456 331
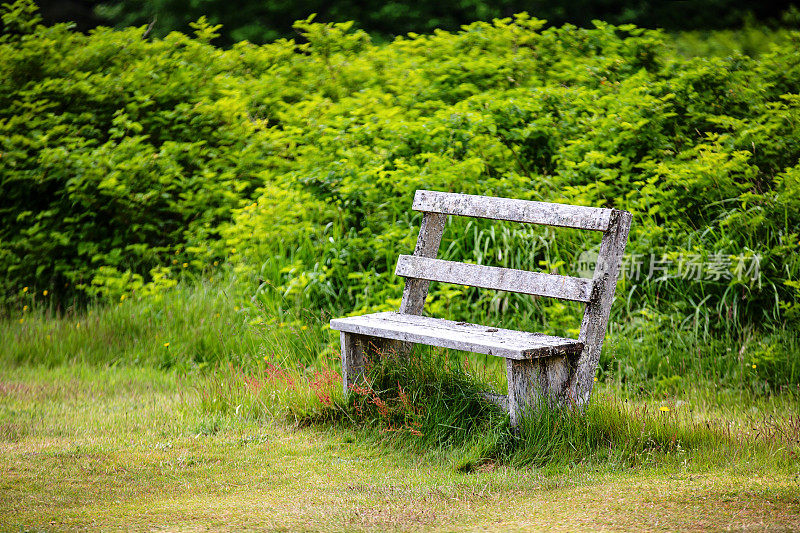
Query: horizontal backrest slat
pixel 487 277
pixel 562 215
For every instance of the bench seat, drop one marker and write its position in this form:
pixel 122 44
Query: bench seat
pixel 506 343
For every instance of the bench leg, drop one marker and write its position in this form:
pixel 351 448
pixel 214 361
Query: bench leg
pixel 356 353
pixel 353 359
pixel 532 381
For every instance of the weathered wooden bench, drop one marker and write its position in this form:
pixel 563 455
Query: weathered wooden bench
pixel 538 366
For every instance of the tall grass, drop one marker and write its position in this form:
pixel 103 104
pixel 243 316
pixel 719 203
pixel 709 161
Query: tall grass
pixel 725 331
pixel 434 403
pixel 190 326
pixel 265 359
pixel 212 324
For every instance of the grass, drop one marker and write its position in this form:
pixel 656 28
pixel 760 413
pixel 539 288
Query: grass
pixel 129 448
pixel 240 423
pixel 433 404
pixel 189 327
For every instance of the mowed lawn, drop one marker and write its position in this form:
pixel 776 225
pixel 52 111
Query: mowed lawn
pixel 129 449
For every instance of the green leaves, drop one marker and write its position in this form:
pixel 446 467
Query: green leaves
pixel 117 150
pixel 122 159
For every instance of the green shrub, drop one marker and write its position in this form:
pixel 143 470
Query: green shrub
pixel 124 159
pixel 115 151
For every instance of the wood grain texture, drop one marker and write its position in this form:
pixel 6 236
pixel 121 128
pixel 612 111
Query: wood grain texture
pixel 488 277
pixel 532 382
pixel 457 335
pixel 353 360
pixel 549 214
pixel 595 318
pixel 358 352
pixel 430 237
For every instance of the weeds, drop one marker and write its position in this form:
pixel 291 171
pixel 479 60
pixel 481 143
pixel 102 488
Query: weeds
pixel 267 391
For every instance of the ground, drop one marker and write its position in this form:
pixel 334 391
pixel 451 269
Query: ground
pixel 128 449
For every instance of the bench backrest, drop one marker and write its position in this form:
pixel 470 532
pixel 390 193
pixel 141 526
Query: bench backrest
pixel 597 293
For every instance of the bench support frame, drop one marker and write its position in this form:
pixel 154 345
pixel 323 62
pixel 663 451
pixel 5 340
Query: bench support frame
pixel 357 352
pixel 353 358
pixel 534 381
pixel 598 309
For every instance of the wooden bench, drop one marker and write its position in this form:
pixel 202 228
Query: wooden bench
pixel 537 366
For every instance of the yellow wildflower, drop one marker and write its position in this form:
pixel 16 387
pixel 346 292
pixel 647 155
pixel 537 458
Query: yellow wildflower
pixel 236 308
pixel 185 265
pixel 122 298
pixel 24 308
pixel 44 292
pixel 595 380
pixel 754 367
pixel 166 345
pixel 233 250
pixel 664 409
pixel 78 325
pixel 174 261
pixel 21 320
pixel 216 263
pixel 24 289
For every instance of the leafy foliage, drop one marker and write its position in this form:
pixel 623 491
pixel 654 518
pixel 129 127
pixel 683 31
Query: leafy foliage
pixel 113 150
pixel 125 161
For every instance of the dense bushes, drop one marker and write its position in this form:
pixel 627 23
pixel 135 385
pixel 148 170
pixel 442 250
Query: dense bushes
pixel 126 160
pixel 114 150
